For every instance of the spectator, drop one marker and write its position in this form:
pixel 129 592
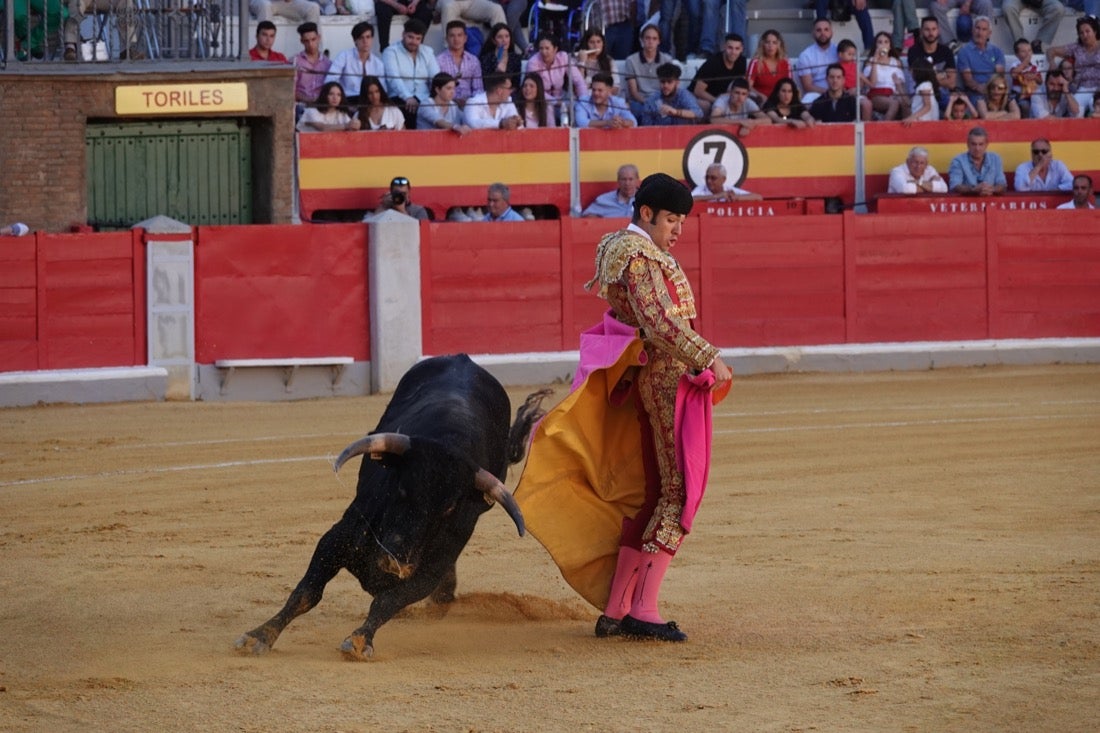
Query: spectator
pixel 384 10
pixel 960 108
pixel 737 17
pixel 671 105
pixel 556 70
pixel 499 57
pixel 714 187
pixel 886 80
pixel 601 109
pixel 34 21
pixel 296 11
pixel 352 65
pixel 816 57
pixel 978 171
pixel 265 42
pixel 769 64
pixel 961 31
pixel 979 60
pixel 330 112
pixel 618 27
pixel 462 65
pixel 1086 59
pixel 835 105
pixel 931 60
pixel 472 12
pixel 735 107
pixel 1082 193
pixel 493 108
pixel 846 56
pixel 515 12
pixel 499 204
pixel 714 76
pixel 18 229
pixel 593 58
pixel 409 70
pixel 310 65
pixel 915 175
pixel 641 70
pixel 1056 101
pixel 1026 78
pixel 858 8
pixel 784 107
pixel 906 23
pixel 1050 16
pixel 996 104
pixel 619 202
pixel 1042 172
pixel 533 106
pixel 399 198
pixel 376 110
pixel 924 105
pixel 693 10
pixel 443 113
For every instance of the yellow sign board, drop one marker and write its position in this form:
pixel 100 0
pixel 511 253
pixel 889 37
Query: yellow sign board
pixel 173 99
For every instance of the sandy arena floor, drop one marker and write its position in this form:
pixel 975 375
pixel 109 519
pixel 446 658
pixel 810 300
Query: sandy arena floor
pixel 885 552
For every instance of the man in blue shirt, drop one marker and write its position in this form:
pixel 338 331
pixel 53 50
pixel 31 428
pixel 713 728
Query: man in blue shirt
pixel 979 60
pixel 671 105
pixel 619 202
pixel 977 172
pixel 498 204
pixel 600 108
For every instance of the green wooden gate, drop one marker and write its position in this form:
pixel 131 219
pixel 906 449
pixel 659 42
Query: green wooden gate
pixel 199 172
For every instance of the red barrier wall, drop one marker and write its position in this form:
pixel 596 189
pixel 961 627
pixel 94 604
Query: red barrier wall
pixel 281 291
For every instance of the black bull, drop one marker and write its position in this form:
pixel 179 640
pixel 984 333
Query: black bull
pixel 440 452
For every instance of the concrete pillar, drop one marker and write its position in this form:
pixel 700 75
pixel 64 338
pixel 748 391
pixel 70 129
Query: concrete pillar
pixel 170 302
pixel 393 256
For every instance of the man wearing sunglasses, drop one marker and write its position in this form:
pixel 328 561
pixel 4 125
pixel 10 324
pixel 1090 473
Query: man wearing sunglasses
pixel 1043 172
pixel 399 199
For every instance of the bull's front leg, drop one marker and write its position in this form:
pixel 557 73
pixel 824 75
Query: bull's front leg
pixel 445 592
pixel 360 643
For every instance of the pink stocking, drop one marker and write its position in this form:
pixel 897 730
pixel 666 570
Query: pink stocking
pixel 622 584
pixel 643 606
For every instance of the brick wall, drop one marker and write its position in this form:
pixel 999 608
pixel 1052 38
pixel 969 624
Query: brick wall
pixel 42 124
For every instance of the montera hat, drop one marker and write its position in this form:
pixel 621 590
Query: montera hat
pixel 662 191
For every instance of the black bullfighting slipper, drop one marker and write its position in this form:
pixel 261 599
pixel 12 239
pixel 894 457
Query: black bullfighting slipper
pixel 607 626
pixel 636 629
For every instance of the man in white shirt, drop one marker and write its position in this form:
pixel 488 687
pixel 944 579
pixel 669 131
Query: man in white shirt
pixel 715 188
pixel 814 61
pixel 1082 192
pixel 410 67
pixel 493 109
pixel 352 64
pixel 1042 172
pixel 915 175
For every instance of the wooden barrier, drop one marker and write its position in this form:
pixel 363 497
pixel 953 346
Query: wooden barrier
pixel 937 204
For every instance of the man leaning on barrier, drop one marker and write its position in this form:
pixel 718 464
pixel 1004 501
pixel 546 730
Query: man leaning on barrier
pixel 122 10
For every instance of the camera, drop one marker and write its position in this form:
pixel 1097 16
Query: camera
pixel 397 198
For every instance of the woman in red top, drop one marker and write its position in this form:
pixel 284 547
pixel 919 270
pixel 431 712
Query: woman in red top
pixel 768 65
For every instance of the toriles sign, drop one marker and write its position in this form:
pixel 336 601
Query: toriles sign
pixel 174 99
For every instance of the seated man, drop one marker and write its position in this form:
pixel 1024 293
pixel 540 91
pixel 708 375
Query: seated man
pixel 460 63
pixel 1057 101
pixel 736 107
pixel 915 175
pixel 310 66
pixel 619 202
pixel 499 206
pixel 353 64
pixel 1042 172
pixel 265 41
pixel 599 108
pixel 836 105
pixel 399 199
pixel 409 70
pixel 671 105
pixel 714 76
pixel 493 109
pixel 1082 192
pixel 715 188
pixel 979 60
pixel 977 172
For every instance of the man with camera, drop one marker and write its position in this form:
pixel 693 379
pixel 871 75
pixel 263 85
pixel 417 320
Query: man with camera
pixel 399 199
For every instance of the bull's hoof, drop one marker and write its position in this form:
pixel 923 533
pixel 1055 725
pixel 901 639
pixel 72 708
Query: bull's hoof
pixel 356 649
pixel 249 644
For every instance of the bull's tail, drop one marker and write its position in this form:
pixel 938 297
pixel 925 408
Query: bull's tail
pixel 529 413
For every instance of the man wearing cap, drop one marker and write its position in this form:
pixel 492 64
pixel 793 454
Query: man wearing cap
pixel 613 521
pixel 399 199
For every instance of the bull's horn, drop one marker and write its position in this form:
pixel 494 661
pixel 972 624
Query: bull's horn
pixel 374 445
pixel 491 486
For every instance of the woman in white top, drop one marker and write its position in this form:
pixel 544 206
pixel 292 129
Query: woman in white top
pixel 885 78
pixel 376 112
pixel 924 104
pixel 329 112
pixel 533 107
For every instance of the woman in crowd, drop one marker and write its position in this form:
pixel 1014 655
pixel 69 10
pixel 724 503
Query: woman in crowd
pixel 1085 55
pixel 330 112
pixel 885 79
pixel 533 106
pixel 557 71
pixel 593 58
pixel 376 112
pixel 768 65
pixel 443 113
pixel 783 106
pixel 997 104
pixel 499 56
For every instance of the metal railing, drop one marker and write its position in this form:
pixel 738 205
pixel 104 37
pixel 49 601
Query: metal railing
pixel 113 31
